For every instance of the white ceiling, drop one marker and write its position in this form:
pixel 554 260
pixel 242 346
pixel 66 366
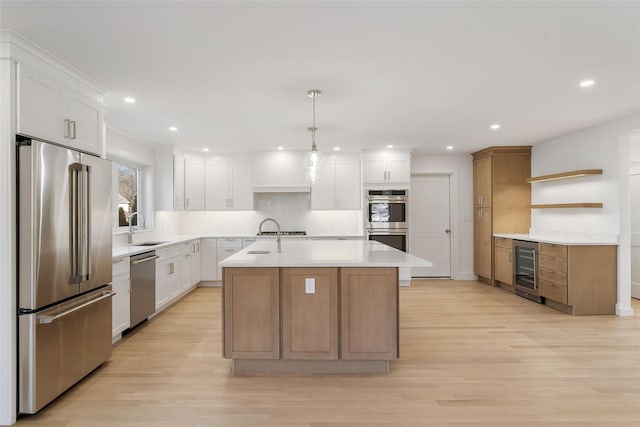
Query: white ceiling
pixel 419 75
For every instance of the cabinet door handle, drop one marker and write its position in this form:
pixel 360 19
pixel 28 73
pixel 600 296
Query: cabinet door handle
pixel 187 202
pixel 481 215
pixel 171 268
pixel 177 202
pixel 67 129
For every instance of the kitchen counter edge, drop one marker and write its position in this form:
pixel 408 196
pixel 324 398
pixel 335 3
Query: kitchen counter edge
pixel 569 241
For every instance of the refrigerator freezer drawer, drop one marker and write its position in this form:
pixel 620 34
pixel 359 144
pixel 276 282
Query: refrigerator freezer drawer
pixel 62 344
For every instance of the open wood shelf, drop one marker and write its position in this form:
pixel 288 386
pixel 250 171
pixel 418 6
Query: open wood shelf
pixel 565 175
pixel 566 205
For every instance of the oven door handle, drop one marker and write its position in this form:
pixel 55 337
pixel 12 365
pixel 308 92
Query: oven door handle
pixel 394 201
pixel 388 232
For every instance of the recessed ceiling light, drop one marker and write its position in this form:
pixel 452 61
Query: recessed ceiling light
pixel 205 149
pixel 449 147
pixel 130 100
pixel 173 128
pixel 336 148
pixel 495 126
pixel 587 83
pixel 390 146
pixel 280 148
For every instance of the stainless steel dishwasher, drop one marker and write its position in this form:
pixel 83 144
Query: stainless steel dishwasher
pixel 143 287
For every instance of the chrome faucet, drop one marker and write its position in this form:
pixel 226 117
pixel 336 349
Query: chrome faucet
pixel 131 229
pixel 277 232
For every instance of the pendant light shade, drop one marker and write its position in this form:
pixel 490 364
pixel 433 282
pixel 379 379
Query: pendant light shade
pixel 313 158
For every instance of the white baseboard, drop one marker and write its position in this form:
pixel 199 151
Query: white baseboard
pixel 465 275
pixel 624 311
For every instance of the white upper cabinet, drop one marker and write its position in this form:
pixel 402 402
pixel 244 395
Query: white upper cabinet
pixel 178 180
pixel 386 167
pixel 49 110
pixel 217 183
pixel 338 185
pixel 279 171
pixel 228 184
pixel 193 183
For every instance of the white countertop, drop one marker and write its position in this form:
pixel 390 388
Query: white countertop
pixel 323 253
pixel 124 251
pixel 576 240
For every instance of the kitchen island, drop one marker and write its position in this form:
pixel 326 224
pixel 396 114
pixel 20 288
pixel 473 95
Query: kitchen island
pixel 316 307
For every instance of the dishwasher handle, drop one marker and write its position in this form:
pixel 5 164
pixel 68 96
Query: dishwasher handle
pixel 140 261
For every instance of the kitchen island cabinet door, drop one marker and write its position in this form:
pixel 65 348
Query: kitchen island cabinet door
pixel 251 313
pixel 310 313
pixel 369 313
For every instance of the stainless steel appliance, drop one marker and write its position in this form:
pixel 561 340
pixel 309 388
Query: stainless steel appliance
pixel 396 238
pixel 386 219
pixel 525 270
pixel 387 209
pixel 143 287
pixel 64 268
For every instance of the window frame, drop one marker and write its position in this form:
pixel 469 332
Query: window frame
pixel 141 199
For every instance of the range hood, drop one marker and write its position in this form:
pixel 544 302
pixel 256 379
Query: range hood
pixel 282 188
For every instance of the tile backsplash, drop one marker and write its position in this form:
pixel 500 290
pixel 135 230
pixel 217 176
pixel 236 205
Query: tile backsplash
pixel 291 210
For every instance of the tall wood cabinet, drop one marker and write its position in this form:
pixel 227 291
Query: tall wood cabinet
pixel 501 199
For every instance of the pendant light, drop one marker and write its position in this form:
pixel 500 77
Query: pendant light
pixel 313 159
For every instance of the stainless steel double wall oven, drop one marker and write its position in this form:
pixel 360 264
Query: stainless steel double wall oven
pixel 387 218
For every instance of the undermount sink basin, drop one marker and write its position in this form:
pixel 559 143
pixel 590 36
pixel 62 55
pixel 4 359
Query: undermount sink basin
pixel 159 242
pixel 259 252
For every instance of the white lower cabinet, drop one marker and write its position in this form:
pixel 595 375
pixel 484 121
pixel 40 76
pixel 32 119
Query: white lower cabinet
pixel 191 265
pixel 226 248
pixel 209 260
pixel 169 272
pixel 120 302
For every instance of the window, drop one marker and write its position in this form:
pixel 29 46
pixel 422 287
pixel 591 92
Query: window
pixel 128 186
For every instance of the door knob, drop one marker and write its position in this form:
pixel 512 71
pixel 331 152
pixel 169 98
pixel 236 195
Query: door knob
pixel 447 231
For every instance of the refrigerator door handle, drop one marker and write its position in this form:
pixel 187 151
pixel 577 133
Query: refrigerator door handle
pixel 80 222
pixel 50 319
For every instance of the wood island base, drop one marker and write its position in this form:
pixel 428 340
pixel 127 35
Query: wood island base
pixel 310 320
pixel 310 367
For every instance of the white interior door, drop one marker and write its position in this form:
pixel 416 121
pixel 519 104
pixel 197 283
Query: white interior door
pixel 430 226
pixel 634 187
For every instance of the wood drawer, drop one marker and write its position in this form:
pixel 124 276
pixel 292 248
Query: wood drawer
pixel 553 263
pixel 553 291
pixel 502 242
pixel 549 249
pixel 555 277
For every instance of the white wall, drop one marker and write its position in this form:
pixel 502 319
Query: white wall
pixel 7 246
pixel 126 149
pixel 592 148
pixel 460 168
pixel 607 147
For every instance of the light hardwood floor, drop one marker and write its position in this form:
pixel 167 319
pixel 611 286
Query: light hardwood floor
pixel 470 354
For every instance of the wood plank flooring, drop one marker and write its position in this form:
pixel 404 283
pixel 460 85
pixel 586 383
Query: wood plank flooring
pixel 470 355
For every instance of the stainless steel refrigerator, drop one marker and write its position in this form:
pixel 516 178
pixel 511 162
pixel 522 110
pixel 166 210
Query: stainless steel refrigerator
pixel 64 269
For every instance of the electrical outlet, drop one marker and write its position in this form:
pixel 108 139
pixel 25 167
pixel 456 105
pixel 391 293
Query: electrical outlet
pixel 309 285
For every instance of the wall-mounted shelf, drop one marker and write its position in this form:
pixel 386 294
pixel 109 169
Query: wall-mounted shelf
pixel 566 205
pixel 565 175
